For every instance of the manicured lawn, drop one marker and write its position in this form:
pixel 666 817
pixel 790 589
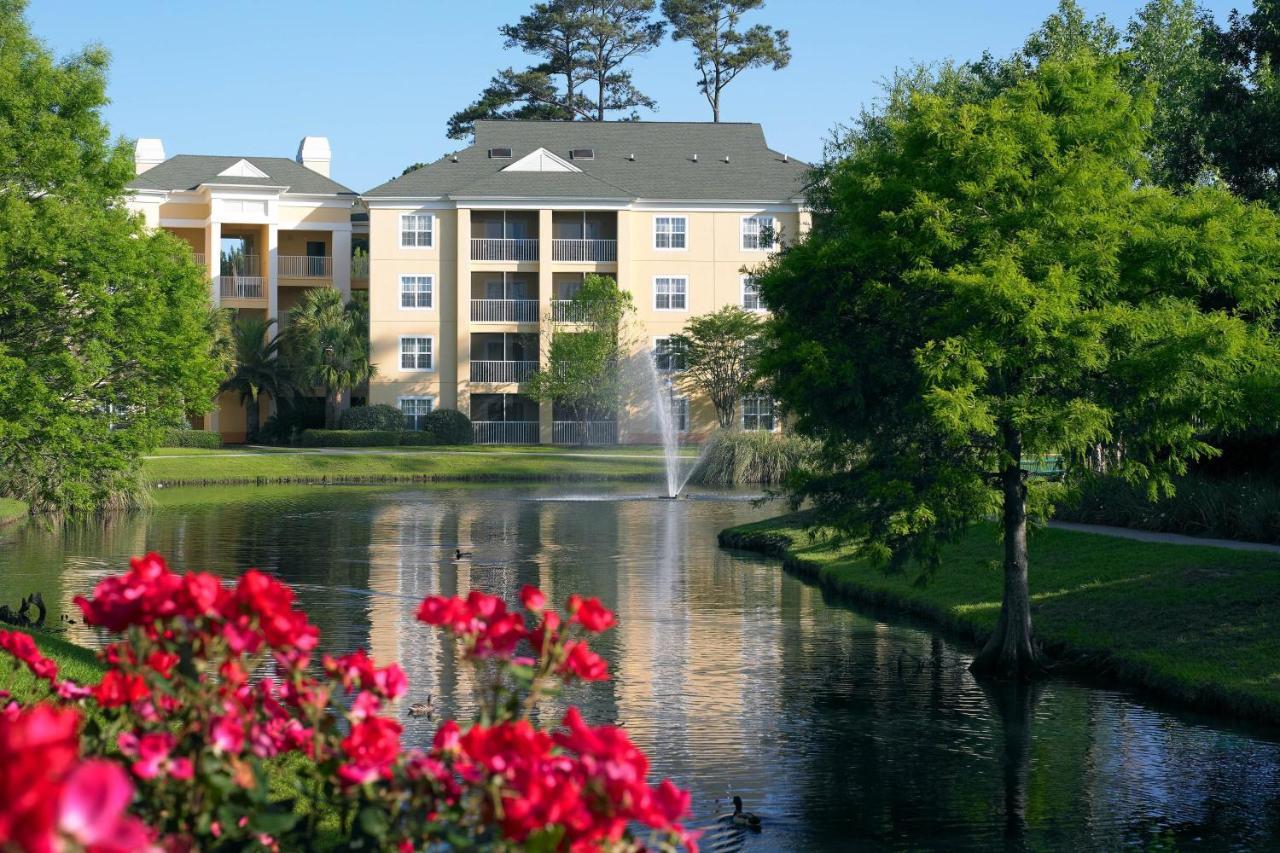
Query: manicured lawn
pixel 176 466
pixel 11 510
pixel 1194 623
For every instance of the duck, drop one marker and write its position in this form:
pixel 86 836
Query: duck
pixel 741 818
pixel 422 709
pixel 459 554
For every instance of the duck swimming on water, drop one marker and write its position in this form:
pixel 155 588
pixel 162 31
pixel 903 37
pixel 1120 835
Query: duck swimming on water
pixel 741 818
pixel 458 553
pixel 422 709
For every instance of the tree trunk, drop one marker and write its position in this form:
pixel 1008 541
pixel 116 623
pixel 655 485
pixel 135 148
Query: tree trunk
pixel 1011 652
pixel 251 420
pixel 331 410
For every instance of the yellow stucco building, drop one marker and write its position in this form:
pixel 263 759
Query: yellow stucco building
pixel 472 257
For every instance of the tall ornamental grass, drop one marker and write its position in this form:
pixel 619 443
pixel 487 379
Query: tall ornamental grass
pixel 763 458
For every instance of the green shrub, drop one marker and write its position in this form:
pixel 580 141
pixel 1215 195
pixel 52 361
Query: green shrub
pixel 449 426
pixel 735 458
pixel 379 417
pixel 1236 508
pixel 348 438
pixel 418 439
pixel 190 438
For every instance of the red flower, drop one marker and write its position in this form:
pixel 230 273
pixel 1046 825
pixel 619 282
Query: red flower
pixel 202 595
pixel 24 649
pixel 226 733
pixel 146 593
pixel 38 748
pixel 91 810
pixel 117 689
pixel 582 662
pixel 532 598
pixel 371 746
pixel 590 614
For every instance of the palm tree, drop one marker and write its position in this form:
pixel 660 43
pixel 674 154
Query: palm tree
pixel 328 342
pixel 258 369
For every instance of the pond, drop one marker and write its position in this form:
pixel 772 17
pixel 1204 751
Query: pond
pixel 843 728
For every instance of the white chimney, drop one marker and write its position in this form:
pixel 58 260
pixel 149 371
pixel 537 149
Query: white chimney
pixel 313 152
pixel 147 153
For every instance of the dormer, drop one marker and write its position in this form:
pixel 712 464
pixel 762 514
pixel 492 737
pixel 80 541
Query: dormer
pixel 242 169
pixel 541 160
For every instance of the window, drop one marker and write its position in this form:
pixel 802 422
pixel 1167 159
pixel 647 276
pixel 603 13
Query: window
pixel 415 411
pixel 680 413
pixel 416 353
pixel 669 354
pixel 757 232
pixel 757 414
pixel 671 293
pixel 416 230
pixel 415 291
pixel 670 232
pixel 751 294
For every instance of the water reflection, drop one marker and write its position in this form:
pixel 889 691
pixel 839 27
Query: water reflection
pixel 842 728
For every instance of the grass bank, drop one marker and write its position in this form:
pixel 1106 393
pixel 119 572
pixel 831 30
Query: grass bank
pixel 1194 624
pixel 11 510
pixel 426 464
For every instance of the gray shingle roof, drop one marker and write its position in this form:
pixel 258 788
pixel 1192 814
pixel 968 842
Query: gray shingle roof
pixel 663 167
pixel 188 171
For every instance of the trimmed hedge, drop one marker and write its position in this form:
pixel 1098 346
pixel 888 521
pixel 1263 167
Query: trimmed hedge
pixel 449 426
pixel 348 438
pixel 379 416
pixel 201 438
pixel 418 439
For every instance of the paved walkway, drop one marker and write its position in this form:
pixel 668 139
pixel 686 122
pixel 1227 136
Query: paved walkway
pixel 1165 538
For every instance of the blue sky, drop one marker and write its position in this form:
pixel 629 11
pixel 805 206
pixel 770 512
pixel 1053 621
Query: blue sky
pixel 380 78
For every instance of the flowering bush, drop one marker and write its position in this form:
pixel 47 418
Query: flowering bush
pixel 209 690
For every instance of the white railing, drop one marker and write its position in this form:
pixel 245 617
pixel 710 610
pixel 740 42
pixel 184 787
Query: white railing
pixel 584 251
pixel 240 265
pixel 505 432
pixel 199 258
pixel 360 268
pixel 492 249
pixel 240 286
pixel 502 371
pixel 598 432
pixel 564 311
pixel 305 266
pixel 504 310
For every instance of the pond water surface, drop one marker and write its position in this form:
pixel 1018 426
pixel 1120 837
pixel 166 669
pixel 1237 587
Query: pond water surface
pixel 844 729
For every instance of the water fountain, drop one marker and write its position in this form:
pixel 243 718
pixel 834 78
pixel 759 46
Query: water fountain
pixel 676 480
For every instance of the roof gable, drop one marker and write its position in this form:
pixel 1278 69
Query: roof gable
pixel 541 160
pixel 242 168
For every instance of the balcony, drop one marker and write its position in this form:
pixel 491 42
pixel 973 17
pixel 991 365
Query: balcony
pixel 305 266
pixel 502 371
pixel 199 258
pixel 598 433
pixel 504 310
pixel 240 286
pixel 504 249
pixel 505 432
pixel 584 251
pixel 566 311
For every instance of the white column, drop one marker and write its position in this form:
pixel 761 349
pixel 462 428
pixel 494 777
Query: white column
pixel 462 340
pixel 213 257
pixel 273 265
pixel 341 251
pixel 545 232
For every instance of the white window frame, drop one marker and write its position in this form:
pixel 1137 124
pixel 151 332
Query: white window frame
pixel 417 280
pixel 417 398
pixel 655 355
pixel 432 353
pixel 416 231
pixel 670 233
pixel 759 303
pixel 671 279
pixel 773 412
pixel 763 219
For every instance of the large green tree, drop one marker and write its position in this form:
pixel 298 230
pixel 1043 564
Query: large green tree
pixel 988 280
pixel 720 352
pixel 327 343
pixel 584 47
pixel 584 352
pixel 721 48
pixel 104 332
